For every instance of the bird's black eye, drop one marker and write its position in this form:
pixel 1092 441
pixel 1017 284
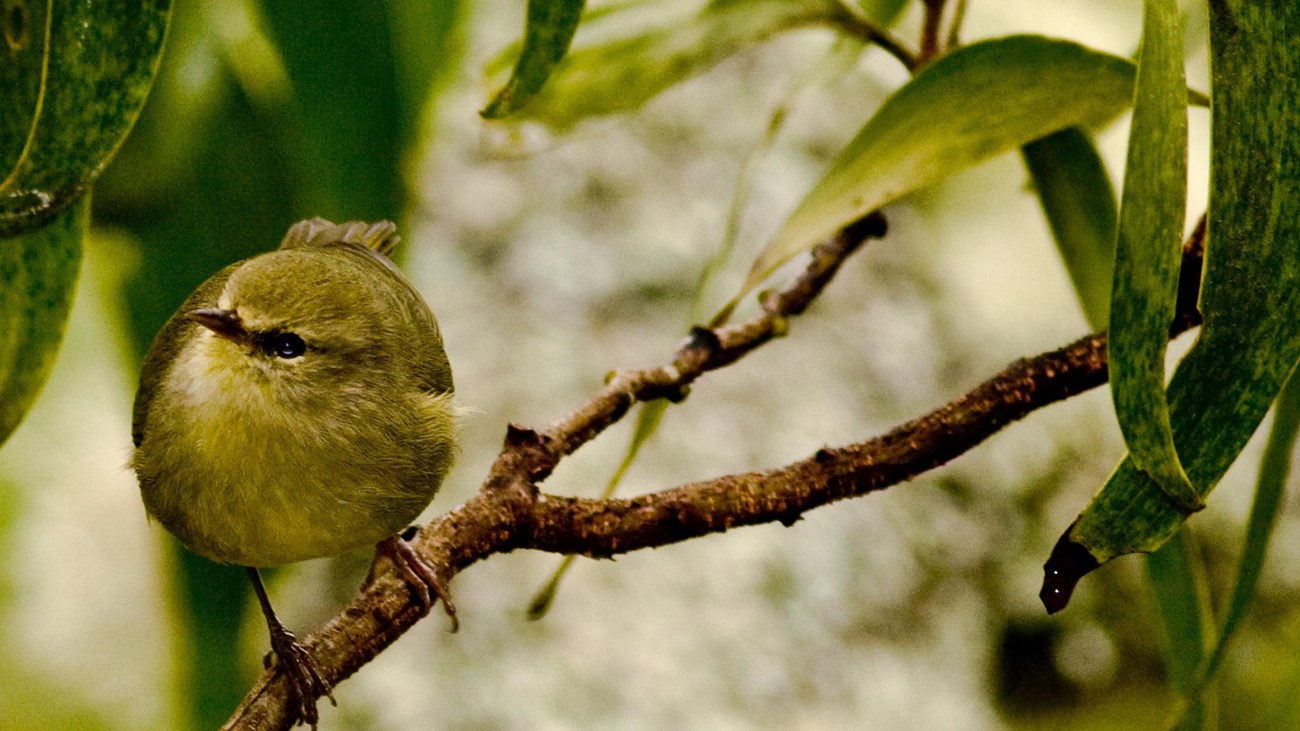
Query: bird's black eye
pixel 286 345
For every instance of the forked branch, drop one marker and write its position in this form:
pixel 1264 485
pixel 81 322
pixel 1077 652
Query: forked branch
pixel 510 513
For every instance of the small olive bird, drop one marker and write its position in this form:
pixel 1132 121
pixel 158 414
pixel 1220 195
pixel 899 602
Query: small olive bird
pixel 299 405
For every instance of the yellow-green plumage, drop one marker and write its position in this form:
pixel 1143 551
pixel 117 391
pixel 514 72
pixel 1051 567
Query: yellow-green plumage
pixel 255 459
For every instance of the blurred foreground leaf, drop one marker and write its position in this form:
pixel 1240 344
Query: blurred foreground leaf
pixel 358 88
pixel 1274 468
pixel 38 275
pixel 547 34
pixel 620 75
pixel 1177 577
pixel 1250 295
pixel 76 76
pixel 1079 201
pixel 966 107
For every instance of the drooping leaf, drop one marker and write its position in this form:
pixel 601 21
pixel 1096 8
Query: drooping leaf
pixel 1148 251
pixel 77 84
pixel 1250 295
pixel 74 79
pixel 972 104
pixel 1147 256
pixel 38 275
pixel 1079 202
pixel 548 31
pixel 1075 191
pixel 622 74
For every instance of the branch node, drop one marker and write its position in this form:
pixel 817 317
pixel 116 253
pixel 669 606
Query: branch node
pixel 701 340
pixel 678 395
pixel 871 226
pixel 789 519
pixel 518 437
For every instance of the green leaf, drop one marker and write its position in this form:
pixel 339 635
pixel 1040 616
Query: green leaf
pixel 352 108
pixel 74 79
pixel 20 77
pixel 1178 583
pixel 426 53
pixel 38 275
pixel 882 12
pixel 1148 251
pixel 1274 468
pixel 1079 202
pixel 77 84
pixel 548 32
pixel 1250 295
pixel 620 75
pixel 968 106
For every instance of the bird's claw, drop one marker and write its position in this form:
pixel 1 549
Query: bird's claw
pixel 420 576
pixel 305 682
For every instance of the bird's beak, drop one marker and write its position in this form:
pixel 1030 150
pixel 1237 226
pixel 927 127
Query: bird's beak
pixel 222 322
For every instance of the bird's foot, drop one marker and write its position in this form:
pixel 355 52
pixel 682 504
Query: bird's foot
pixel 305 681
pixel 419 575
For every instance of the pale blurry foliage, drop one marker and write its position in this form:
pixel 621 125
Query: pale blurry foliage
pixel 914 608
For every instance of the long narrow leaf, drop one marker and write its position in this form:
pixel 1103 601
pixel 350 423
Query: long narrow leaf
pixel 1176 574
pixel 1250 295
pixel 968 106
pixel 1147 254
pixel 1075 191
pixel 548 32
pixel 622 74
pixel 1274 468
pixel 1177 580
pixel 1079 202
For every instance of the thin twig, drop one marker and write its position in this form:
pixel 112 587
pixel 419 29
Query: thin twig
pixel 930 30
pixel 851 20
pixel 509 512
pixel 954 28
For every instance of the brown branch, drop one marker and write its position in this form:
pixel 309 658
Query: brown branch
pixel 509 513
pixel 930 30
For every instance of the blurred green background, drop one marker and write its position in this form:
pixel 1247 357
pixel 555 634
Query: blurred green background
pixel 551 260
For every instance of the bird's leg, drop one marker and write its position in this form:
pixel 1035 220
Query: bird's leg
pixel 305 681
pixel 419 575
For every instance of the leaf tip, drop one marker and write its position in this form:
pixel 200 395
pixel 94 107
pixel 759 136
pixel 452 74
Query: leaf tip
pixel 1068 563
